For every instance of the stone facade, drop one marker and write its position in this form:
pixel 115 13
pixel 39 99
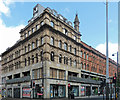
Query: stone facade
pixel 51 55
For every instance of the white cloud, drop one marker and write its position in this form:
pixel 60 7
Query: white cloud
pixel 4 7
pixel 8 35
pixel 112 48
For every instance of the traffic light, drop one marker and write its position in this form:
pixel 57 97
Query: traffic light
pixel 114 79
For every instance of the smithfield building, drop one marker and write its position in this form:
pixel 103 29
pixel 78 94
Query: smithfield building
pixel 51 61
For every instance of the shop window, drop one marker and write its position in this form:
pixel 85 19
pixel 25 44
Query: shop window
pixel 35 73
pixel 61 74
pixel 53 73
pixel 52 41
pixel 60 44
pixel 9 92
pixel 52 56
pixel 60 58
pixel 57 91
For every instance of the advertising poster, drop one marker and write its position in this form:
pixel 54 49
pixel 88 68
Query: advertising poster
pixel 26 92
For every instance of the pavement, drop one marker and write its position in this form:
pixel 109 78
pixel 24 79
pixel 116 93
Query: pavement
pixel 76 98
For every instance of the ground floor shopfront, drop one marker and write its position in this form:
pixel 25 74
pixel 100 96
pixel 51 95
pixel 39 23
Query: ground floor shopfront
pixel 58 90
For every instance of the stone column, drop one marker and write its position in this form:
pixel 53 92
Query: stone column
pixel 91 89
pixel 79 90
pixel 20 91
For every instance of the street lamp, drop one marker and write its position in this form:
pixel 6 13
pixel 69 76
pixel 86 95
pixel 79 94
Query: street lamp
pixel 107 59
pixel 117 73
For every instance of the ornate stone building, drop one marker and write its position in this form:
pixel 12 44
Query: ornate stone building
pixel 50 60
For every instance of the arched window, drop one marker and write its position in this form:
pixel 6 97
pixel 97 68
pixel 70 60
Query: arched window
pixel 25 62
pixel 70 62
pixel 60 44
pixel 84 67
pixel 52 24
pixel 84 55
pixel 70 48
pixel 64 60
pixel 36 58
pixel 33 45
pixel 41 54
pixel 87 67
pixel 42 40
pixel 32 59
pixel 41 24
pixel 52 56
pixel 81 54
pixel 75 51
pixel 28 47
pixel 36 42
pixel 65 46
pixel 28 60
pixel 75 63
pixel 52 41
pixel 60 58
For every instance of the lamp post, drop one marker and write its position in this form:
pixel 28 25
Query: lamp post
pixel 116 75
pixel 107 62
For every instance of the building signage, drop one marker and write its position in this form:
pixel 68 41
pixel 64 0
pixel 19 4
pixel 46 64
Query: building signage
pixel 26 92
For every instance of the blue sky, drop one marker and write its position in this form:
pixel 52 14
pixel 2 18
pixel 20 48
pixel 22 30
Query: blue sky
pixel 91 16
